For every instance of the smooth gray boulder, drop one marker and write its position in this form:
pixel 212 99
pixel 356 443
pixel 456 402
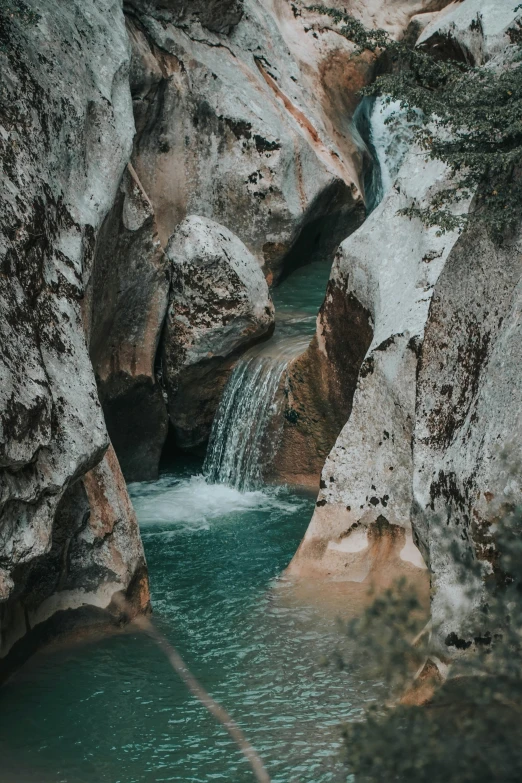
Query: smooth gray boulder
pixel 219 305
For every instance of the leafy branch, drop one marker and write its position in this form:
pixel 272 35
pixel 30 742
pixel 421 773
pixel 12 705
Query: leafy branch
pixel 469 117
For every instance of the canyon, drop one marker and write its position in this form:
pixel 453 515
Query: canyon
pixel 162 179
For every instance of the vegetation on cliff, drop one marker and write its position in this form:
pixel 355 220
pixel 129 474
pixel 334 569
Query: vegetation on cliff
pixel 470 118
pixel 468 728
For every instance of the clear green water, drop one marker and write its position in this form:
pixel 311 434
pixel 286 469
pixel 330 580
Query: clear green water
pixel 113 711
pixel 298 299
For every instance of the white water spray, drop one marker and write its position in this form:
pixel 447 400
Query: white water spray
pixel 245 425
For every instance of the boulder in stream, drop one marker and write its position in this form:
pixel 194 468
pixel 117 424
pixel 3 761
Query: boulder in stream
pixel 219 305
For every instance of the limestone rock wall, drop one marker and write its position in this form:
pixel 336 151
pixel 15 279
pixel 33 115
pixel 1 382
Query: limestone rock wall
pixel 467 449
pixel 66 131
pixel 251 129
pixel 389 267
pixel 474 31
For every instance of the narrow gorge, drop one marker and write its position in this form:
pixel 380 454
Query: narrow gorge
pixel 247 380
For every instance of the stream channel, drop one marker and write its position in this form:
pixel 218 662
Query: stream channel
pixel 113 711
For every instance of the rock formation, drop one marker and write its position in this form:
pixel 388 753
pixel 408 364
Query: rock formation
pixel 474 31
pixel 155 177
pixel 467 450
pixel 243 115
pixel 66 135
pixel 219 305
pixel 387 270
pixel 432 444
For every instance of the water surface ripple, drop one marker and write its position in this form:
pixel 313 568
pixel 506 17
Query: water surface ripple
pixel 113 712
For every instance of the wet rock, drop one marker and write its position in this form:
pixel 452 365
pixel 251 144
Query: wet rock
pixel 65 138
pixel 128 294
pixel 219 305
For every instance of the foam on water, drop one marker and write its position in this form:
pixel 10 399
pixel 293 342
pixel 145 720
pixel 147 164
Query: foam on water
pixel 193 503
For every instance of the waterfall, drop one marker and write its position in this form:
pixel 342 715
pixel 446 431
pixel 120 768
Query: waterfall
pixel 248 420
pixel 384 135
pixel 245 428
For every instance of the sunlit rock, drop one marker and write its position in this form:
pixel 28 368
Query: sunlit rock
pixel 474 30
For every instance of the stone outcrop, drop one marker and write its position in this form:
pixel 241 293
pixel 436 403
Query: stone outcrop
pixel 474 31
pixel 389 268
pixel 252 130
pixel 243 116
pixel 467 449
pixel 429 458
pixel 65 138
pixel 219 305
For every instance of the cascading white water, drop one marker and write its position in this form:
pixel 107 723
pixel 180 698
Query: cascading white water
pixel 384 134
pixel 244 430
pixel 391 137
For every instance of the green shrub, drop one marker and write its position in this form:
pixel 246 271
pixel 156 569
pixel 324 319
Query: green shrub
pixel 471 119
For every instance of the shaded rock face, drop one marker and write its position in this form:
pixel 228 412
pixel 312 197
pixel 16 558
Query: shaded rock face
pixel 219 305
pixel 219 16
pixel 129 295
pixel 319 386
pixel 58 182
pixel 252 130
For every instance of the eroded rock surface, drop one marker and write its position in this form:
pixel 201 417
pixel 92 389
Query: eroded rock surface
pixel 467 449
pixel 474 31
pixel 430 456
pixel 65 137
pixel 219 304
pixel 389 267
pixel 220 16
pixel 129 295
pixel 252 130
